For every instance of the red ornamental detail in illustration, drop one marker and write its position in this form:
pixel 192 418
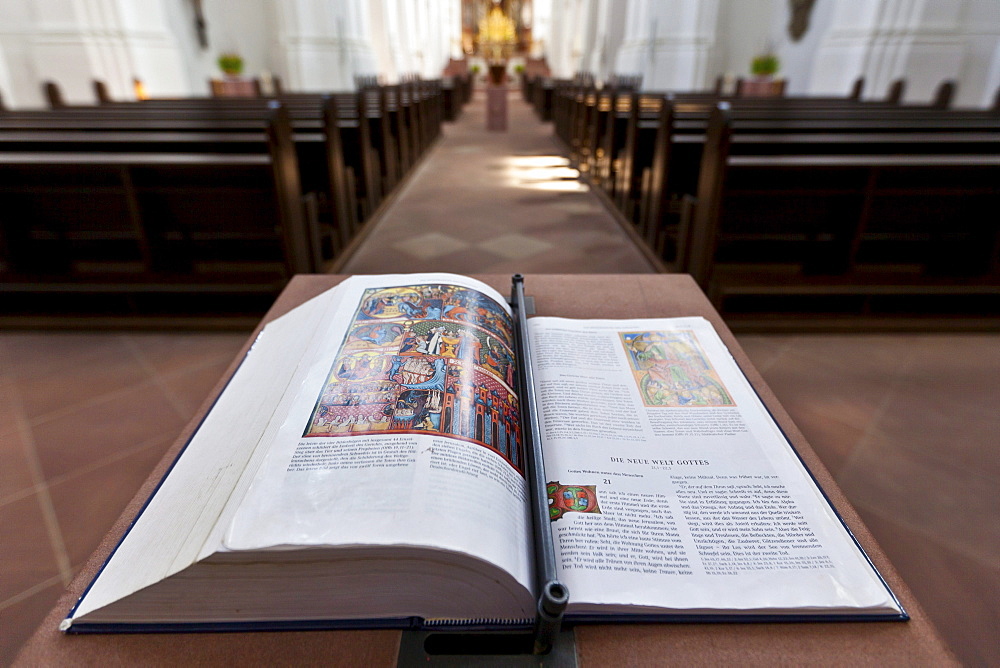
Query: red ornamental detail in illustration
pixel 571 499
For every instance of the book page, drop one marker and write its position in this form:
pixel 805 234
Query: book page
pixel 176 527
pixel 670 486
pixel 403 430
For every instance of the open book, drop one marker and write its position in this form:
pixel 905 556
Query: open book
pixel 365 466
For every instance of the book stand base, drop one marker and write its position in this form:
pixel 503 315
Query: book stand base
pixel 484 649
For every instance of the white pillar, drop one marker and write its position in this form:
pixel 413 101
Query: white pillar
pixel 633 52
pixel 325 44
pixel 381 39
pixel 453 21
pixel 670 43
pixel 573 26
pixel 541 29
pixel 609 31
pixel 615 13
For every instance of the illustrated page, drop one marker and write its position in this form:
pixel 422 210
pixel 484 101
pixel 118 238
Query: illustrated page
pixel 670 485
pixel 404 430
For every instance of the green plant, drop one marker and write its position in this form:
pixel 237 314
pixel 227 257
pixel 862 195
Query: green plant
pixel 519 69
pixel 231 63
pixel 764 65
pixel 474 69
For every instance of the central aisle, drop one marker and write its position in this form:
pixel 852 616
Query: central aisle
pixel 496 202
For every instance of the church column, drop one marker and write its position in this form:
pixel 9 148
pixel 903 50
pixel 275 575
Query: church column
pixel 325 44
pixel 670 43
pixel 431 39
pixel 360 54
pixel 573 34
pixel 884 40
pixel 633 53
pixel 569 24
pixel 405 42
pixel 378 18
pixel 440 37
pixel 609 23
pixel 453 28
pixel 541 29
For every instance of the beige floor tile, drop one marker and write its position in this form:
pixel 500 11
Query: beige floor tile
pixel 88 433
pixel 27 556
pixel 170 353
pixel 189 388
pixel 19 620
pixel 16 476
pixel 57 371
pixel 921 491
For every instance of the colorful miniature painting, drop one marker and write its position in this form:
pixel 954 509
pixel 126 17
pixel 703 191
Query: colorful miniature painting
pixel 424 358
pixel 671 369
pixel 571 499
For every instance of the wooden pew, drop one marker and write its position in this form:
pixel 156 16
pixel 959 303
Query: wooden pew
pixel 152 234
pixel 674 162
pixel 454 95
pixel 246 135
pixel 53 95
pixel 656 172
pixel 846 235
pixel 231 116
pixel 349 146
pixel 101 92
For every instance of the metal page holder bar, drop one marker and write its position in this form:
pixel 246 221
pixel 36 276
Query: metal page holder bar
pixel 553 595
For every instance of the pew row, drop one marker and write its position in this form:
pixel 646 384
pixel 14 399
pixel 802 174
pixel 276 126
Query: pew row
pixel 146 234
pixel 855 214
pixel 174 207
pixel 848 237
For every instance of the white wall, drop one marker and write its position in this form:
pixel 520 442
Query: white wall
pixel 322 44
pixel 746 29
pixel 73 42
pixel 248 31
pixel 750 27
pixel 923 41
pixel 20 81
pixel 980 72
pixel 798 58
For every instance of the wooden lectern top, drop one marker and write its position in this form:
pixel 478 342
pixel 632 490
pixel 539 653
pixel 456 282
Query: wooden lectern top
pixel 573 296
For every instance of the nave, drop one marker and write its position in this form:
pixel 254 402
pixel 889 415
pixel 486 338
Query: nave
pixel 497 202
pixel 905 422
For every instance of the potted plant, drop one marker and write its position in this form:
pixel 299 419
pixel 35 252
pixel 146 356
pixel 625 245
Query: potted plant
pixel 764 65
pixel 231 64
pixel 763 84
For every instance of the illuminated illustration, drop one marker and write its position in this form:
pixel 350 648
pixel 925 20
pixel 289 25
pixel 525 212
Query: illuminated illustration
pixel 571 499
pixel 670 369
pixel 424 358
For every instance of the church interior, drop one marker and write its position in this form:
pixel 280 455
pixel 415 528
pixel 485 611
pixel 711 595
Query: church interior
pixel 828 171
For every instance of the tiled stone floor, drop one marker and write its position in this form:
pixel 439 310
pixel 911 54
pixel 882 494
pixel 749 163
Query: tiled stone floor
pixel 497 202
pixel 908 424
pixel 83 419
